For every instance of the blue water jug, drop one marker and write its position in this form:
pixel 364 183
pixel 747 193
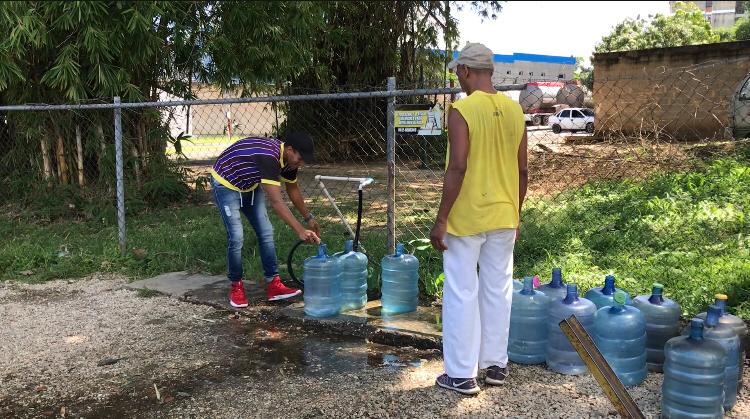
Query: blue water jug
pixel 620 335
pixel 662 323
pixel 353 277
pixel 555 289
pixel 527 340
pixel 603 296
pixel 561 357
pixel 400 276
pixel 322 275
pixel 739 327
pixel 726 336
pixel 694 370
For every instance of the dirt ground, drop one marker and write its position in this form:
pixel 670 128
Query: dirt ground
pixel 89 348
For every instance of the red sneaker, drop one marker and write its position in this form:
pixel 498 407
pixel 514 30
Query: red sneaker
pixel 277 291
pixel 237 296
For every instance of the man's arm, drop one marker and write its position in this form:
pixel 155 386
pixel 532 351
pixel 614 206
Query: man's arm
pixel 523 176
pixel 279 206
pixel 458 137
pixel 295 195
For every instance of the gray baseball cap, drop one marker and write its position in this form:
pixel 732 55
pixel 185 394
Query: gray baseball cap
pixel 474 55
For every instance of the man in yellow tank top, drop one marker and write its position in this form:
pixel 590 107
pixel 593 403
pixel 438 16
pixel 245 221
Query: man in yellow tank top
pixel 478 223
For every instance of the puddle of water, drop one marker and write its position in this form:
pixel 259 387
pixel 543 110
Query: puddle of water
pixel 257 348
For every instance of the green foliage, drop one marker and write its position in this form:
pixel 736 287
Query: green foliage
pixel 686 27
pixel 742 27
pixel 584 73
pixel 687 231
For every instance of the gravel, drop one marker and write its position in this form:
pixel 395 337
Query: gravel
pixel 89 348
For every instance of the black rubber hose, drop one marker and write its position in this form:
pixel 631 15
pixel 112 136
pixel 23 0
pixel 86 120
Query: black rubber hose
pixel 290 267
pixel 359 220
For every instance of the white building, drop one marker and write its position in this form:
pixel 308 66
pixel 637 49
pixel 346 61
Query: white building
pixel 522 68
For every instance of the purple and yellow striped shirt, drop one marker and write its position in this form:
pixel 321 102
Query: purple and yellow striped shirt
pixel 251 161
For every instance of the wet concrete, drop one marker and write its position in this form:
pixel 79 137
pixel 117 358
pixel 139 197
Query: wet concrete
pixel 420 329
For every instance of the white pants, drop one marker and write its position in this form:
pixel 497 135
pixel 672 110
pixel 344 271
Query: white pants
pixel 476 307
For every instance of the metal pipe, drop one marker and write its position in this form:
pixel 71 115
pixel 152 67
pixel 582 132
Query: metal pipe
pixel 119 178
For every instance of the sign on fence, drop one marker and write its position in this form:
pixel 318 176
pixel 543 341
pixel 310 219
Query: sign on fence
pixel 419 119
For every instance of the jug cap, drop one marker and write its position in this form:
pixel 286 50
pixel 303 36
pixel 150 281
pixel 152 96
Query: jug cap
pixel 712 316
pixel 696 328
pixel 620 297
pixel 572 295
pixel 349 246
pixel 557 281
pixel 721 297
pixel 400 249
pixel 528 286
pixel 609 285
pixel 657 285
pixel 322 250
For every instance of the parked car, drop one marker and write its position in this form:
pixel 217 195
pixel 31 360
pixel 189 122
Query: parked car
pixel 572 119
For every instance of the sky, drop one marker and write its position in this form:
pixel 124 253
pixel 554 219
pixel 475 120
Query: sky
pixel 566 28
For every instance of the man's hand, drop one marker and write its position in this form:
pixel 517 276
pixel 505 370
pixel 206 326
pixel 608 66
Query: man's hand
pixel 309 236
pixel 437 235
pixel 313 225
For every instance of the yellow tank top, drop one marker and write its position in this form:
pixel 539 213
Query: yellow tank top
pixel 489 194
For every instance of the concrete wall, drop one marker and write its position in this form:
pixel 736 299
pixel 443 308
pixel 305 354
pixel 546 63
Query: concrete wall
pixel 682 93
pixel 248 118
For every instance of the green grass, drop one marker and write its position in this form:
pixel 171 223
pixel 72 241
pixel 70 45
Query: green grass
pixel 688 231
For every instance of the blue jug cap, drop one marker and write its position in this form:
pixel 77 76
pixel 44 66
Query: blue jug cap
pixel 696 329
pixel 557 281
pixel 349 246
pixel 712 316
pixel 322 250
pixel 656 291
pixel 721 302
pixel 528 285
pixel 400 249
pixel 609 285
pixel 572 295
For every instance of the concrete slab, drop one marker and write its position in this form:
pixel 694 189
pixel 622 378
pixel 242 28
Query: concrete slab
pixel 420 329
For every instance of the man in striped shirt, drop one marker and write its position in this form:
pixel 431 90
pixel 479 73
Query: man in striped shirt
pixel 236 176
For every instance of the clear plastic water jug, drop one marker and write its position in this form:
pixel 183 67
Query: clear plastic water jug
pixel 555 289
pixel 353 277
pixel 400 276
pixel 726 336
pixel 322 276
pixel 735 322
pixel 527 341
pixel 561 357
pixel 694 370
pixel 662 323
pixel 620 335
pixel 603 296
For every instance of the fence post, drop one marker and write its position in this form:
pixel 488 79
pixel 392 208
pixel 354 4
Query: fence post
pixel 391 153
pixel 119 175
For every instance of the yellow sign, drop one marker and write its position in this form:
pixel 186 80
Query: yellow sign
pixel 419 121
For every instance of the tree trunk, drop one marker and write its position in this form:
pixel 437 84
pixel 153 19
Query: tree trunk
pixel 79 155
pixel 45 157
pixel 62 165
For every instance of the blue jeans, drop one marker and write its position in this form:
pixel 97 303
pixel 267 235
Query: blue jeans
pixel 253 205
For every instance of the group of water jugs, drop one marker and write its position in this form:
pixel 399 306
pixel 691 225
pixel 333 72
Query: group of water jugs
pixel 702 364
pixel 339 282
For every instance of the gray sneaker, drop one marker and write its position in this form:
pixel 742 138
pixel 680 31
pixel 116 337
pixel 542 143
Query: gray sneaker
pixel 496 375
pixel 467 386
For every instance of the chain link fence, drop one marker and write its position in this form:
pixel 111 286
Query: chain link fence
pixel 583 148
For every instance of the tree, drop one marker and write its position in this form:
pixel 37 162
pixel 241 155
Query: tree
pixel 584 73
pixel 686 27
pixel 742 27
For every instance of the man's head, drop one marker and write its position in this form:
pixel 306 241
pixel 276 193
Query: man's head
pixel 298 150
pixel 473 66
